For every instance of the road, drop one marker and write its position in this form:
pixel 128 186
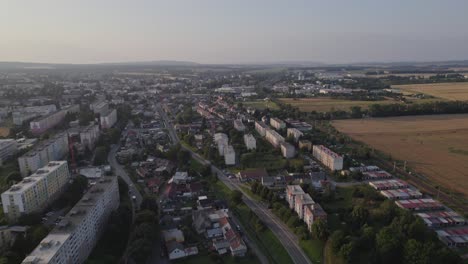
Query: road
pixel 288 239
pixel 119 170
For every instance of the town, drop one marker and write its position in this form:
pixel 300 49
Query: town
pixel 181 165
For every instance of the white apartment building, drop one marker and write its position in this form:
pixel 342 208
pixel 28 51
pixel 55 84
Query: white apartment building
pixel 301 201
pixel 89 135
pixel 229 155
pixel 108 118
pixel 42 124
pixel 54 148
pixel 277 123
pixel 327 157
pixel 30 112
pixel 287 150
pixel 250 142
pixel 238 125
pixel 291 192
pixel 273 137
pixel 221 141
pixel 33 193
pixel 73 239
pixel 8 148
pixel 295 133
pixel 261 128
pixel 99 107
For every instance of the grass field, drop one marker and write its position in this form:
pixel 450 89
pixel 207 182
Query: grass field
pixel 261 104
pixel 434 146
pixel 450 91
pixel 328 104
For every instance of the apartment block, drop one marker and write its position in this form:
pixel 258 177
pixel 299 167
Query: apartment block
pixel 44 123
pixel 108 118
pixel 238 125
pixel 327 157
pixel 292 191
pixel 287 150
pixel 8 148
pixel 89 135
pixel 305 144
pixel 229 155
pixel 99 107
pixel 312 213
pixel 54 148
pixel 273 137
pixel 33 193
pixel 295 133
pixel 261 128
pixel 301 201
pixel 75 236
pixel 277 123
pixel 30 112
pixel 250 142
pixel 222 141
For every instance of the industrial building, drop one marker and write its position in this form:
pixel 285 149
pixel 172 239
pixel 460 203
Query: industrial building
pixel 376 175
pixel 442 219
pixel 420 204
pixel 389 184
pixel 401 194
pixel 456 237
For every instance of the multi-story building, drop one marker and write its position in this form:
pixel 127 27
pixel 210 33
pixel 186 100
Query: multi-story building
pixel 305 144
pixel 327 157
pixel 277 123
pixel 292 191
pixel 229 155
pixel 89 135
pixel 8 148
pixel 287 150
pixel 261 128
pixel 44 123
pixel 99 107
pixel 221 141
pixel 54 148
pixel 295 133
pixel 75 236
pixel 238 125
pixel 108 118
pixel 250 142
pixel 33 193
pixel 273 137
pixel 301 201
pixel 30 112
pixel 312 213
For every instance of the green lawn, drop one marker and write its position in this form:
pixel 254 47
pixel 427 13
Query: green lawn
pixel 313 249
pixel 343 199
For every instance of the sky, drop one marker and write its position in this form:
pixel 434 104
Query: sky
pixel 233 31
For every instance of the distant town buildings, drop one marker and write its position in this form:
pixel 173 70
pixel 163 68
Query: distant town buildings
pixel 304 205
pixel 44 123
pixel 29 112
pixel 54 148
pixel 33 193
pixel 75 236
pixel 327 157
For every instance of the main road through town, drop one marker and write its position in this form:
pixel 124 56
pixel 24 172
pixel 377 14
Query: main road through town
pixel 288 239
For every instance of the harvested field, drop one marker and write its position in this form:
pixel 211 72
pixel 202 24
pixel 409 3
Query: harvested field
pixel 327 104
pixel 434 146
pixel 261 104
pixel 450 91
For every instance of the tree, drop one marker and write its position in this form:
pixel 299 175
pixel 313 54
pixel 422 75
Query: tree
pixel 236 197
pixel 416 252
pixel 100 156
pixel 388 245
pixel 14 176
pixel 145 216
pixel 149 203
pixel 337 239
pixel 320 230
pixel 359 216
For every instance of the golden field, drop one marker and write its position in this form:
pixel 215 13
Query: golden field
pixel 450 91
pixel 327 104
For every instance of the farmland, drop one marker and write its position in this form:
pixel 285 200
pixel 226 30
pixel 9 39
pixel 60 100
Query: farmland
pixel 328 104
pixel 450 91
pixel 261 104
pixel 434 146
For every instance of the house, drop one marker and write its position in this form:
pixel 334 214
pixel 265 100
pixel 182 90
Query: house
pixel 173 235
pixel 252 174
pixel 175 250
pixel 180 177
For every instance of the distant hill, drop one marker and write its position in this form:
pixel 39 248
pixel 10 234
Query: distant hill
pixel 35 65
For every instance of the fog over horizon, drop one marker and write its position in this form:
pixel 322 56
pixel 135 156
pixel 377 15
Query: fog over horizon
pixel 225 32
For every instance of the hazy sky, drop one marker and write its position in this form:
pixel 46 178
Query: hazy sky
pixel 233 31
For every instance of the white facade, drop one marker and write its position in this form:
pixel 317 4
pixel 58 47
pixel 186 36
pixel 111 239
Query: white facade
pixel 287 150
pixel 30 112
pixel 99 107
pixel 327 157
pixel 295 133
pixel 277 123
pixel 54 148
pixel 238 125
pixel 229 155
pixel 33 193
pixel 42 124
pixel 89 136
pixel 221 141
pixel 250 142
pixel 8 148
pixel 108 118
pixel 273 137
pixel 261 128
pixel 73 239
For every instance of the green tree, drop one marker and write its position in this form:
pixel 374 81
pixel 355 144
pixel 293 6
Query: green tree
pixel 236 197
pixel 320 230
